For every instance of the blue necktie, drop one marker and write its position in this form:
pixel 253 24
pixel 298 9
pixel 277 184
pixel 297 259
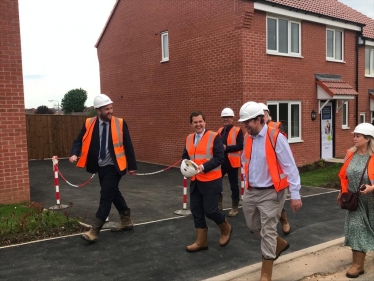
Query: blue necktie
pixel 103 143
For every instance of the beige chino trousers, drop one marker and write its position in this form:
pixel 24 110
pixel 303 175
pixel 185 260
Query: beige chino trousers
pixel 262 210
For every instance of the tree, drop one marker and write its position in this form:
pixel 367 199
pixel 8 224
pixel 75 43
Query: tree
pixel 74 101
pixel 43 109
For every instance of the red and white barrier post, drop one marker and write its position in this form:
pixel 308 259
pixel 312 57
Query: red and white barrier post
pixel 58 199
pixel 184 211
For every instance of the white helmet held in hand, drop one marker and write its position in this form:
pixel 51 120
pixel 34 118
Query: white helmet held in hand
pixel 227 112
pixel 101 100
pixel 188 168
pixel 250 110
pixel 264 107
pixel 365 129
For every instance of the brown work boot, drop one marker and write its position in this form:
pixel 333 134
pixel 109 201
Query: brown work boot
pixel 92 234
pixel 282 245
pixel 266 270
pixel 201 242
pixel 357 267
pixel 126 223
pixel 234 209
pixel 286 228
pixel 220 202
pixel 226 230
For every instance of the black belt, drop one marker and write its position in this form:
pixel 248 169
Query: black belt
pixel 267 187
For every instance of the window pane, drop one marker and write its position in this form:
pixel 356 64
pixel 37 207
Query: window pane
pixel 165 45
pixel 273 111
pixel 283 115
pixel 338 45
pixel 367 61
pixel 295 121
pixel 330 44
pixel 294 38
pixel 344 121
pixel 372 62
pixel 272 34
pixel 283 36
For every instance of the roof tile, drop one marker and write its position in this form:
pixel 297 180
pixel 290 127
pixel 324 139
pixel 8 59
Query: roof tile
pixel 336 87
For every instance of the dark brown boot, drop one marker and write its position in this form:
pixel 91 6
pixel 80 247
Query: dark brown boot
pixel 286 228
pixel 201 242
pixel 282 245
pixel 234 209
pixel 266 270
pixel 357 267
pixel 92 234
pixel 220 202
pixel 126 222
pixel 226 230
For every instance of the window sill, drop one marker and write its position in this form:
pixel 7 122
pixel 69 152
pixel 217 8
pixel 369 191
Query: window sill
pixel 284 55
pixel 295 141
pixel 165 60
pixel 369 76
pixel 345 128
pixel 332 60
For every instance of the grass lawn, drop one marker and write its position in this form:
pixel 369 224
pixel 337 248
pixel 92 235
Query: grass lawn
pixel 323 177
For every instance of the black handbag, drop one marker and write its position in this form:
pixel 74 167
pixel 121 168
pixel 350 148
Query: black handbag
pixel 350 199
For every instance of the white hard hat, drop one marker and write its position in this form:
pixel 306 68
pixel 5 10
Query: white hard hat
pixel 227 112
pixel 365 129
pixel 250 110
pixel 188 168
pixel 101 100
pixel 264 106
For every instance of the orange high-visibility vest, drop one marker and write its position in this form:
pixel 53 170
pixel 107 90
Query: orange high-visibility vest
pixel 273 124
pixel 116 125
pixel 343 170
pixel 279 179
pixel 234 157
pixel 202 153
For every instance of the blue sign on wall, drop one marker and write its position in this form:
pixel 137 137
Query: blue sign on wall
pixel 326 113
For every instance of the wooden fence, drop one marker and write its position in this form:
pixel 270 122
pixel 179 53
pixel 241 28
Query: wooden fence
pixel 49 135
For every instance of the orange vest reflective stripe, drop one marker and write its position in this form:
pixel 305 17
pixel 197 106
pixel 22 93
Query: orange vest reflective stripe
pixel 343 171
pixel 116 125
pixel 278 178
pixel 234 157
pixel 202 153
pixel 273 124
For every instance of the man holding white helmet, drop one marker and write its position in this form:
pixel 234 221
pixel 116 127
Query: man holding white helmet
pixel 286 228
pixel 232 138
pixel 205 149
pixel 105 147
pixel 269 170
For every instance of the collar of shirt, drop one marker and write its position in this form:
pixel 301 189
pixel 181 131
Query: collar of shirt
pixel 101 122
pixel 262 133
pixel 201 135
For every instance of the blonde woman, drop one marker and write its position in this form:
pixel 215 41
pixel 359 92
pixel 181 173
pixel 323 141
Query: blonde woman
pixel 359 225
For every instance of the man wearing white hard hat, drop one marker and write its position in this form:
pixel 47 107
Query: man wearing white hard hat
pixel 205 149
pixel 232 138
pixel 286 227
pixel 270 170
pixel 105 147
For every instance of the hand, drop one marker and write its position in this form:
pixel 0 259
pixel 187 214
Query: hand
pixel 368 189
pixel 339 199
pixel 224 147
pixel 73 158
pixel 200 168
pixel 132 172
pixel 296 205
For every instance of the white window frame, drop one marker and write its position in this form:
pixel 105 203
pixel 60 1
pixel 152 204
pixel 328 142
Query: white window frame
pixel 333 58
pixel 372 117
pixel 276 52
pixel 290 139
pixel 345 122
pixel 163 57
pixel 371 62
pixel 362 117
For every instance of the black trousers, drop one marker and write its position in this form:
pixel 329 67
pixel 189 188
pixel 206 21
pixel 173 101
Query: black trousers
pixel 109 180
pixel 233 176
pixel 204 202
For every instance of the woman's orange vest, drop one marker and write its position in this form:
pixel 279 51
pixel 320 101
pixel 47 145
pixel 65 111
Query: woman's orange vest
pixel 234 157
pixel 116 125
pixel 343 171
pixel 202 153
pixel 278 177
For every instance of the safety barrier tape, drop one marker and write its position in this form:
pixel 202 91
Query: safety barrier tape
pixel 163 170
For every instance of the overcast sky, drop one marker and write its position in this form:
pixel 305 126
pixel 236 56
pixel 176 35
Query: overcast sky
pixel 58 39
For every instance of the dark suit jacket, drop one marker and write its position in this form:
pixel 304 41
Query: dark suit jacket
pixel 218 156
pixel 92 165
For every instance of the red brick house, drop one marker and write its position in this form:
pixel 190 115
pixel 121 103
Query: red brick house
pixel 14 172
pixel 161 60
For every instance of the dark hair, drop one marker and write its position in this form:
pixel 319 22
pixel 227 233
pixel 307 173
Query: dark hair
pixel 195 114
pixel 262 121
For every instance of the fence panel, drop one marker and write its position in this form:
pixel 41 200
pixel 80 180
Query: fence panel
pixel 49 135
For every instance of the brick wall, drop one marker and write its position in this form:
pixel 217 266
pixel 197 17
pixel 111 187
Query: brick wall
pixel 14 174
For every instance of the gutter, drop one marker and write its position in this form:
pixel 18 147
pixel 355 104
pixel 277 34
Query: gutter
pixel 358 37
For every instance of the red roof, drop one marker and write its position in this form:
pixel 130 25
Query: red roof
pixel 331 8
pixel 336 87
